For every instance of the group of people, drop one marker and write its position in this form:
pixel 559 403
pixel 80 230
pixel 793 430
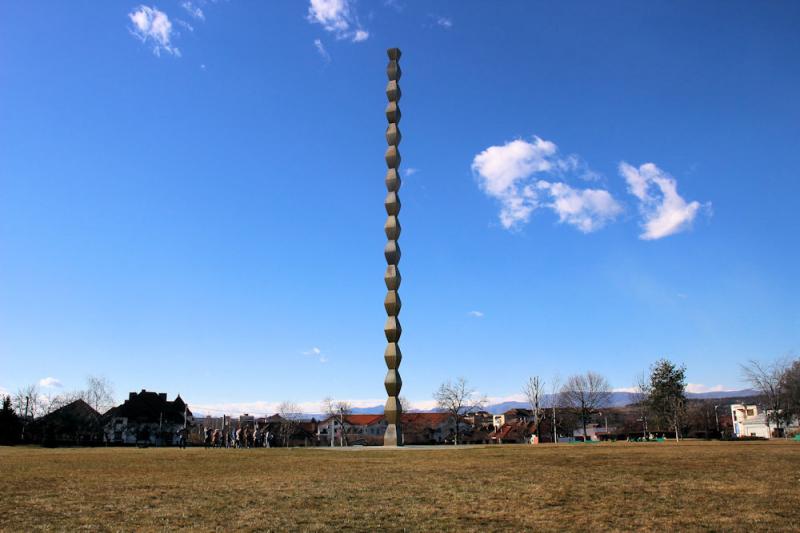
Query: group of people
pixel 243 437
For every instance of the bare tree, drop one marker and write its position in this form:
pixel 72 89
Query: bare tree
pixel 533 391
pixel 640 397
pixel 405 405
pixel 290 420
pixel 52 403
pixel 99 393
pixel 584 394
pixel 456 399
pixel 28 401
pixel 767 379
pixel 339 410
pixel 552 400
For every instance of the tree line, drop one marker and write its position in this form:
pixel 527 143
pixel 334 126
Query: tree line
pixel 659 398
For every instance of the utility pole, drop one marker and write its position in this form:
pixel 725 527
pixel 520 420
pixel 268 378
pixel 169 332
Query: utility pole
pixel 716 417
pixel 160 418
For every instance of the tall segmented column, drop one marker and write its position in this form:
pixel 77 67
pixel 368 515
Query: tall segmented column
pixel 392 355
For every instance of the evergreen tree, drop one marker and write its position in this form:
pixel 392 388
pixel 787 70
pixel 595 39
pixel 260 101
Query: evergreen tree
pixel 668 393
pixel 10 424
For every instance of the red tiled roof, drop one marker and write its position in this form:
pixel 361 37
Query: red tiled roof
pixel 431 419
pixel 424 418
pixel 363 420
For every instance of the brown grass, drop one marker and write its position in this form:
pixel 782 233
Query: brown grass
pixel 658 486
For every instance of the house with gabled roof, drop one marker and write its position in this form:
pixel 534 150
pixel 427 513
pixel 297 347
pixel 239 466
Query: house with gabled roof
pixel 74 424
pixel 362 429
pixel 147 418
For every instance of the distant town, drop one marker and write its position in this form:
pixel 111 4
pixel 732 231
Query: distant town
pixel 583 409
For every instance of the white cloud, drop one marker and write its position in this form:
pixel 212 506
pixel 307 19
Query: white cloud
pixel 185 24
pixel 193 10
pixel 476 314
pixel 337 17
pixel 699 388
pixel 586 209
pixel 316 352
pixel 511 173
pixel 322 51
pixel 410 171
pixel 153 27
pixel 444 22
pixel 50 383
pixel 664 211
pixel 394 4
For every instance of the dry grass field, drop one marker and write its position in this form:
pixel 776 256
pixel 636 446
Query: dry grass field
pixel 654 486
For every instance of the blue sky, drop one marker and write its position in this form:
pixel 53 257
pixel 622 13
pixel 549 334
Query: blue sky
pixel 191 194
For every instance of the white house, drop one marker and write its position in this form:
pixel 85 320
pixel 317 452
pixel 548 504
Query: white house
pixel 749 422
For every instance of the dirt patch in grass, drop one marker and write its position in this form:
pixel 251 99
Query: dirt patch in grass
pixel 648 486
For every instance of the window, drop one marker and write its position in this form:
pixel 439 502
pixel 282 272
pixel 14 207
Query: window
pixel 751 412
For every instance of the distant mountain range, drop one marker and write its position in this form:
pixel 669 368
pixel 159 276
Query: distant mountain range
pixel 618 399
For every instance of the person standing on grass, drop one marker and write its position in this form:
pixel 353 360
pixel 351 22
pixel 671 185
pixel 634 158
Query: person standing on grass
pixel 182 437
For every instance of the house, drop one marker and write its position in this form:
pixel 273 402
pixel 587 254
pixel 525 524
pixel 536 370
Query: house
pixel 512 416
pixel 479 418
pixel 518 431
pixel 147 418
pixel 594 432
pixel 302 432
pixel 352 429
pixel 75 424
pixel 749 422
pixel 428 428
pixel 365 429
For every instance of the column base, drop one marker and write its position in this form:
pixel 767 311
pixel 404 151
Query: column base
pixel 393 435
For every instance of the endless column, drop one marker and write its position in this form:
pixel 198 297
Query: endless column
pixel 392 355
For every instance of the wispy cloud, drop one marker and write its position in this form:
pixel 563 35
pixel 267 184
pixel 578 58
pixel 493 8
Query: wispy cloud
pixel 184 24
pixel 476 314
pixel 410 171
pixel 317 353
pixel 395 4
pixel 50 383
pixel 444 22
pixel 322 51
pixel 663 210
pixel 512 173
pixel 193 10
pixel 154 28
pixel 338 17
